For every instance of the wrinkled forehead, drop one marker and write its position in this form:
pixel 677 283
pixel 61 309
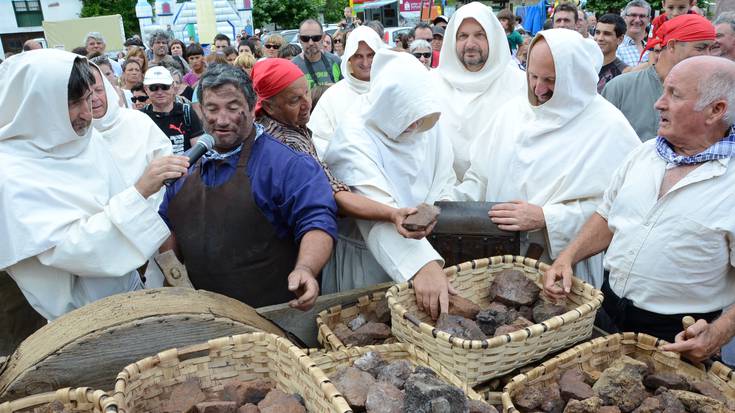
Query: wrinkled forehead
pixel 470 26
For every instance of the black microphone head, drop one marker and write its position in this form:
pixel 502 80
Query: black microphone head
pixel 207 140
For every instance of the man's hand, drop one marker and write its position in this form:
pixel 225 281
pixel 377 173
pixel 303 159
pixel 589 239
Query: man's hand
pixel 517 216
pixel 560 270
pixel 303 283
pixel 399 215
pixel 432 289
pixel 699 341
pixel 160 169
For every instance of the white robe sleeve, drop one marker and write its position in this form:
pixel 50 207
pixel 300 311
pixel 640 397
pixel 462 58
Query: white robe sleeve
pixel 472 188
pixel 564 220
pixel 112 242
pixel 322 125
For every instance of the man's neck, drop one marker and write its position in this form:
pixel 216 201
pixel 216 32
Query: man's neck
pixel 662 67
pixel 638 39
pixel 609 58
pixel 164 108
pixel 710 139
pixel 314 58
pixel 157 58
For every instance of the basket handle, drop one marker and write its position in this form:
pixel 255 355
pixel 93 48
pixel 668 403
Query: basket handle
pixel 412 318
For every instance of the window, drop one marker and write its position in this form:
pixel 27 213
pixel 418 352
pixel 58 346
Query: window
pixel 28 13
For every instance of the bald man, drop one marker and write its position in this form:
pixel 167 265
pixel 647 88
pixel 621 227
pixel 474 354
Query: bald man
pixel 31 45
pixel 666 219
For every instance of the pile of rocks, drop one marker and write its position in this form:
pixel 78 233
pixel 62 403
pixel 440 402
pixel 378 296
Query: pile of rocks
pixel 627 385
pixel 255 396
pixel 374 385
pixel 515 305
pixel 367 328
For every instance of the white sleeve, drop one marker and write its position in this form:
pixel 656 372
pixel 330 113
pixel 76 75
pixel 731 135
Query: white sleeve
pixel 472 188
pixel 322 126
pixel 564 220
pixel 112 242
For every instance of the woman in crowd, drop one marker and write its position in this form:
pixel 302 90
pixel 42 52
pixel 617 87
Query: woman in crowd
pixel 138 54
pixel 139 96
pixel 176 50
pixel 246 61
pixel 230 54
pixel 328 43
pixel 182 88
pixel 289 51
pixel 197 64
pixel 273 44
pixel 421 49
pixel 132 74
pixel 243 47
pixel 338 42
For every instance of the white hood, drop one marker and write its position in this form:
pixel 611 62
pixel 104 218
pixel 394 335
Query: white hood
pixel 360 34
pixel 471 99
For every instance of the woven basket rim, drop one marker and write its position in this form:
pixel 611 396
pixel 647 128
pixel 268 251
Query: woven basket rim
pixel 518 335
pixel 100 399
pixel 321 324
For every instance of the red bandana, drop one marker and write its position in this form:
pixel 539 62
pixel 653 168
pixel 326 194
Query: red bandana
pixel 686 28
pixel 271 76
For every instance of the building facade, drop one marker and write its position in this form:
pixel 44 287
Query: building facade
pixel 21 20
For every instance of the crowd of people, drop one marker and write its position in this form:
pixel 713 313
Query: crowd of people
pixel 609 147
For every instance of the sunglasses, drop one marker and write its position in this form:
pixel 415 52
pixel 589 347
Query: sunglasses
pixel 156 88
pixel 335 41
pixel 136 99
pixel 426 55
pixel 314 38
pixel 272 46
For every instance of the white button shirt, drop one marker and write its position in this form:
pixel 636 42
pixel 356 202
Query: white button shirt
pixel 675 254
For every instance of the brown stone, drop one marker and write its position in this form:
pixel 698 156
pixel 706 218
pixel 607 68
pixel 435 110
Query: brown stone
pixel 279 402
pixel 649 405
pixel 543 311
pixel 708 389
pixel 354 384
pixel 423 218
pixel 518 324
pixel 244 392
pixel 248 408
pixel 698 403
pixel 621 384
pixel 477 406
pixel 495 315
pixel 669 402
pixel 218 406
pixel 185 396
pixel 591 376
pixel 609 409
pixel 512 287
pixel 552 403
pixel 572 385
pixel 384 397
pixel 369 334
pixel 460 327
pixel 53 407
pixel 395 372
pixel 530 397
pixel 463 307
pixel 382 311
pixel 526 312
pixel 668 380
pixel 370 362
pixel 591 405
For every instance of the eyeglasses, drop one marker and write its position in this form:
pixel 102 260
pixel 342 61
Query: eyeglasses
pixel 335 41
pixel 637 16
pixel 136 99
pixel 271 46
pixel 156 88
pixel 426 55
pixel 314 38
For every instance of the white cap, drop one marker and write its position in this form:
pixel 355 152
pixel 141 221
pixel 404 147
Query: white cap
pixel 158 75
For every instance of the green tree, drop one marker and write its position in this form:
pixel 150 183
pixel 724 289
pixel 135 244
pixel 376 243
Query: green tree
pixel 287 14
pixel 615 6
pixel 125 8
pixel 334 10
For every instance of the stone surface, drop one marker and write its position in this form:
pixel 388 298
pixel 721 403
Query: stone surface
pixel 463 307
pixel 421 389
pixel 370 362
pixel 512 287
pixel 621 384
pixel 477 406
pixel 244 392
pixel 357 322
pixel 354 384
pixel 707 389
pixel 382 311
pixel 609 409
pixel 572 385
pixel 698 403
pixel 649 405
pixel 459 327
pixel 543 311
pixel 526 312
pixel 669 380
pixel 440 405
pixel 248 408
pixel 518 324
pixel 395 372
pixel 218 406
pixel 530 397
pixel 552 402
pixel 368 334
pixel 495 315
pixel 185 396
pixel 591 405
pixel 669 402
pixel 384 398
pixel 424 217
pixel 279 402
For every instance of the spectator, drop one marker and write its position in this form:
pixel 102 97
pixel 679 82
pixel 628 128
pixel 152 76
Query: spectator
pixel 437 38
pixel 255 46
pixel 158 42
pixel 725 39
pixel 220 42
pixel 328 45
pixel 177 48
pixel 289 51
pixel 246 61
pixel 244 47
pixel 273 44
pixel 507 20
pixel 421 50
pixel 230 54
pixel 609 34
pixel 338 42
pixel 319 67
pixel 31 45
pixel 637 15
pixel 95 42
pixel 440 21
pixel 195 57
pixel 565 16
pixel 423 31
pixel 139 98
pixel 139 55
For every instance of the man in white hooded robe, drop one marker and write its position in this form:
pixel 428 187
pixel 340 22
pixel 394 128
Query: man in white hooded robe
pixel 475 78
pixel 553 153
pixel 390 151
pixel 72 231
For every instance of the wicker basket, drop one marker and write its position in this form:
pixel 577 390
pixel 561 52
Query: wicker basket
pixel 327 319
pixel 328 362
pixel 78 400
pixel 476 361
pixel 145 386
pixel 599 353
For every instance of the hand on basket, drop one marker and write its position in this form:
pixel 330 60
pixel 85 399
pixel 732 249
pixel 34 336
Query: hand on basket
pixel 561 269
pixel 400 214
pixel 698 342
pixel 432 289
pixel 304 284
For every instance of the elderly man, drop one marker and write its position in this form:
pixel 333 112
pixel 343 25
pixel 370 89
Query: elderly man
pixel 725 38
pixel 319 66
pixel 402 162
pixel 72 230
pixel 338 99
pixel 476 76
pixel 666 218
pixel 95 43
pixel 283 109
pixel 635 93
pixel 31 45
pixel 637 15
pixel 543 158
pixel 254 219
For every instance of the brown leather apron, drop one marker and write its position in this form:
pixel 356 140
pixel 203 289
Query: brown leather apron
pixel 227 244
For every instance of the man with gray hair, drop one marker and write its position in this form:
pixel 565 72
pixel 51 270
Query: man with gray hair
pixel 94 42
pixel 158 43
pixel 666 219
pixel 724 45
pixel 637 15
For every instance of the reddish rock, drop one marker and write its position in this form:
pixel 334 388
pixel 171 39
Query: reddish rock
pixel 248 408
pixel 707 389
pixel 519 324
pixel 395 372
pixel 649 405
pixel 530 397
pixel 525 312
pixel 463 307
pixel 369 334
pixel 609 409
pixel 185 396
pixel 512 287
pixel 591 405
pixel 552 403
pixel 244 392
pixel 669 402
pixel 543 311
pixel 354 384
pixel 383 397
pixel 494 316
pixel 572 385
pixel 668 380
pixel 382 311
pixel 460 327
pixel 477 406
pixel 218 406
pixel 621 384
pixel 423 218
pixel 279 402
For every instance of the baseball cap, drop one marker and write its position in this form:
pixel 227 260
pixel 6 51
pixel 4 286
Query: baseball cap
pixel 158 75
pixel 442 18
pixel 437 30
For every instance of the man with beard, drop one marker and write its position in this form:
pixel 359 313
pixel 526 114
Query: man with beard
pixel 476 76
pixel 319 67
pixel 158 43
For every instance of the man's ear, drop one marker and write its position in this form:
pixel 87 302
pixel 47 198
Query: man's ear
pixel 717 111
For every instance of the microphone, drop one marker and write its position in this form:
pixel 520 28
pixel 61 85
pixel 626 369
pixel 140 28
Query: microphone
pixel 204 144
